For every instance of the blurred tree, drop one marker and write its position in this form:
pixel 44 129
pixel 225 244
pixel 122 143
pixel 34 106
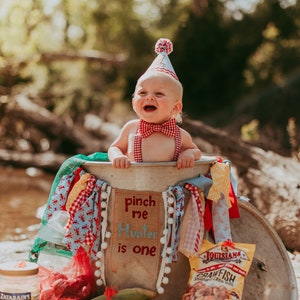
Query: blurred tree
pixel 202 54
pixel 33 29
pixel 278 53
pixel 220 58
pixel 75 57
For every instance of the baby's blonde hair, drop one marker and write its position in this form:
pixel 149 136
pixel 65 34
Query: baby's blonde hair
pixel 177 84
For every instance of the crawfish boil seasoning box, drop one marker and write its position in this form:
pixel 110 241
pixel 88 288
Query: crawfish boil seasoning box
pixel 219 271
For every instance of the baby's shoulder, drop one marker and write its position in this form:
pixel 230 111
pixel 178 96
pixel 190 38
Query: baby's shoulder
pixel 131 125
pixel 134 121
pixel 185 135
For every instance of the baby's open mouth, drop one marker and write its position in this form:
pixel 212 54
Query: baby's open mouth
pixel 149 107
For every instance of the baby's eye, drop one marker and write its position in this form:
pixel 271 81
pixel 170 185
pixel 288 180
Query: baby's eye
pixel 159 94
pixel 142 93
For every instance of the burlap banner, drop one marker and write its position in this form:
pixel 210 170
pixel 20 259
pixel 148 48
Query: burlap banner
pixel 133 256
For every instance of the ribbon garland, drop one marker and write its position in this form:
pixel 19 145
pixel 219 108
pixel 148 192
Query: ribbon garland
pixel 195 231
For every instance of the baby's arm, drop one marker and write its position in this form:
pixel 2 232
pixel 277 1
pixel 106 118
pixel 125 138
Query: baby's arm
pixel 117 152
pixel 189 151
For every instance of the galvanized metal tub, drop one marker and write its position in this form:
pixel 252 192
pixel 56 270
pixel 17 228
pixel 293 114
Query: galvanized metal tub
pixel 271 275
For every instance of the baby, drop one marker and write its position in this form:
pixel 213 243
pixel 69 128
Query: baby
pixel 155 136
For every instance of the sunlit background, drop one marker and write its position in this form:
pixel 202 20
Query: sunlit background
pixel 238 62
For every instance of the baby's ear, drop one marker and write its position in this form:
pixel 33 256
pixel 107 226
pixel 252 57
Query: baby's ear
pixel 133 100
pixel 178 107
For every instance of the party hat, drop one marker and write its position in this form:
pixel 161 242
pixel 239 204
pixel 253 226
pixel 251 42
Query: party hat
pixel 162 63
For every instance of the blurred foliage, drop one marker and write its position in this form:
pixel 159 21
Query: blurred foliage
pixel 32 28
pixel 250 132
pixel 220 59
pixel 222 53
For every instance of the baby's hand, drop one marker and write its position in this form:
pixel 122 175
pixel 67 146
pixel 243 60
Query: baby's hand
pixel 186 159
pixel 121 162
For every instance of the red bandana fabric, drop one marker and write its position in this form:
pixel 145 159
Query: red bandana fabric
pixel 195 232
pixel 168 128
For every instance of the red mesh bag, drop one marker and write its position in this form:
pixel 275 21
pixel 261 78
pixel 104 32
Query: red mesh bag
pixel 76 281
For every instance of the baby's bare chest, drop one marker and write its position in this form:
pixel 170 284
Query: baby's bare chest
pixel 157 147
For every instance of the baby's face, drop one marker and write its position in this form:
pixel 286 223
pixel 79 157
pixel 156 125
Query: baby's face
pixel 157 98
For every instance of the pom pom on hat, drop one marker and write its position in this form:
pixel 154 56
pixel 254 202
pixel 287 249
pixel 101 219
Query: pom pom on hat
pixel 163 45
pixel 161 63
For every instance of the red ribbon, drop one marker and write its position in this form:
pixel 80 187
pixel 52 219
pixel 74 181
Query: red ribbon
pixel 228 243
pixel 110 292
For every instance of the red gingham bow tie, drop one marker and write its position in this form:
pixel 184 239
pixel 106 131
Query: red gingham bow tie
pixel 168 128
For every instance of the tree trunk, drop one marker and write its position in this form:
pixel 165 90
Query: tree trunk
pixel 82 141
pixel 48 161
pixel 91 55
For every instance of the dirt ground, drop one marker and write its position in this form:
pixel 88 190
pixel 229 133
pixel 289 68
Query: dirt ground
pixel 23 194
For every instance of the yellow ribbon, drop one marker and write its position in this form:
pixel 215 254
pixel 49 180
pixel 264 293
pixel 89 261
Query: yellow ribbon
pixel 79 186
pixel 220 175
